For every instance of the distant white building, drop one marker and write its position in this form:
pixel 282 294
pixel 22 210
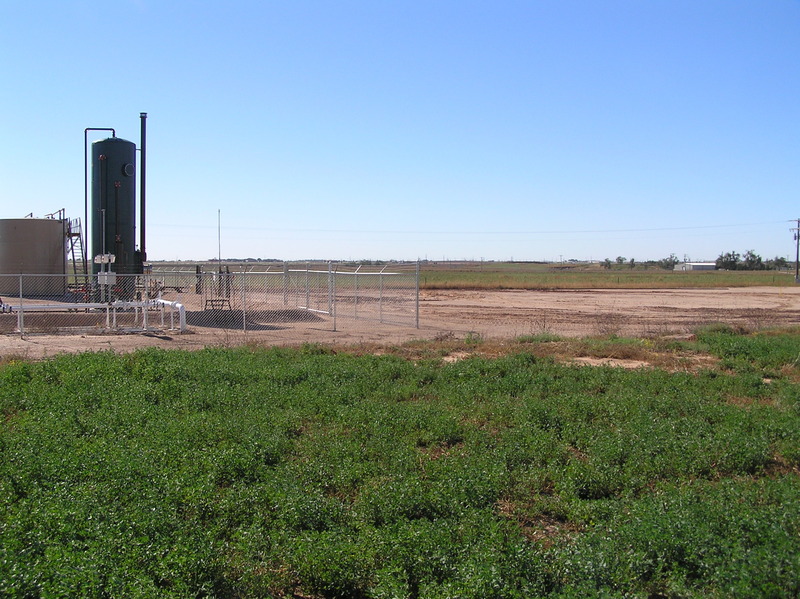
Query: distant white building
pixel 684 266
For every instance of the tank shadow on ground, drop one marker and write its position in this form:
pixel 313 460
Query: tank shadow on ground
pixel 257 320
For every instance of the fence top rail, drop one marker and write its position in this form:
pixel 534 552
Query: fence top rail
pixel 60 275
pixel 313 265
pixel 362 273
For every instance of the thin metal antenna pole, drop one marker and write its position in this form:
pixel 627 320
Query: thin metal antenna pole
pixel 219 240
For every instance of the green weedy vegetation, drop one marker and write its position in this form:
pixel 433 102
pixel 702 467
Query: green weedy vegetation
pixel 272 472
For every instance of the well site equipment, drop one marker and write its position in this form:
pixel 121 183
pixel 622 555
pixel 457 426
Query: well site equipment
pixel 33 246
pixel 113 202
pixel 42 246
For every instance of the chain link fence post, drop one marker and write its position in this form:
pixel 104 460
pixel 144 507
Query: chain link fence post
pixel 416 284
pixel 308 290
pixel 285 284
pixel 355 293
pixel 380 295
pixel 330 289
pixel 21 315
pixel 244 302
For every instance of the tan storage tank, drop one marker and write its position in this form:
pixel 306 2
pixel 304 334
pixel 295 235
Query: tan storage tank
pixel 33 246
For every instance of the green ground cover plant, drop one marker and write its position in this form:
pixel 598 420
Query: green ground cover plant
pixel 254 472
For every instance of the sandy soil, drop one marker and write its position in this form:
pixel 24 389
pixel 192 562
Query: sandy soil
pixel 488 314
pixel 639 312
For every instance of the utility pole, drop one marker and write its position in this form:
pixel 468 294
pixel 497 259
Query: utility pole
pixel 797 252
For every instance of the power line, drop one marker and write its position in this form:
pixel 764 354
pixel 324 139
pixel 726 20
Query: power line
pixel 472 232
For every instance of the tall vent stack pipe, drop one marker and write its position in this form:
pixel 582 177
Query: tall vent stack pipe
pixel 142 171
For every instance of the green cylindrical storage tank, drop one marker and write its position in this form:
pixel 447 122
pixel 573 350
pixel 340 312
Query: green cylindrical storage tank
pixel 114 204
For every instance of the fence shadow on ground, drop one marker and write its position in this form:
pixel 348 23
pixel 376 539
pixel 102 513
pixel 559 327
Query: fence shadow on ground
pixel 257 320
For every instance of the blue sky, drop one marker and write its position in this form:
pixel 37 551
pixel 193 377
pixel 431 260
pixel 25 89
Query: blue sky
pixel 420 129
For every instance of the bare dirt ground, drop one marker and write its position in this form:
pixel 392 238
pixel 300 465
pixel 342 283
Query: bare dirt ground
pixel 484 314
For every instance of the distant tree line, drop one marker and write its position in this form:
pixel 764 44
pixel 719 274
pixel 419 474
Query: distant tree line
pixel 726 261
pixel 622 262
pixel 749 261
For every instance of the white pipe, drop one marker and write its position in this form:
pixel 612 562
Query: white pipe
pixel 108 306
pixel 68 307
pixel 175 306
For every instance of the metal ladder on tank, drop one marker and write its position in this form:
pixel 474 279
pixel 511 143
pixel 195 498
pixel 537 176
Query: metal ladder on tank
pixel 76 251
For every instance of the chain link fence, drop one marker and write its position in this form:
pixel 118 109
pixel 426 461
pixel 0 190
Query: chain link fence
pixel 322 295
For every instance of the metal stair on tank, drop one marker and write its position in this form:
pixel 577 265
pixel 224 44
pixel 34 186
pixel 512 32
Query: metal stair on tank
pixel 76 251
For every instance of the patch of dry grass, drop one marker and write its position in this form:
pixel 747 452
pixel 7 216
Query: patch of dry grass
pixel 665 353
pixel 13 358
